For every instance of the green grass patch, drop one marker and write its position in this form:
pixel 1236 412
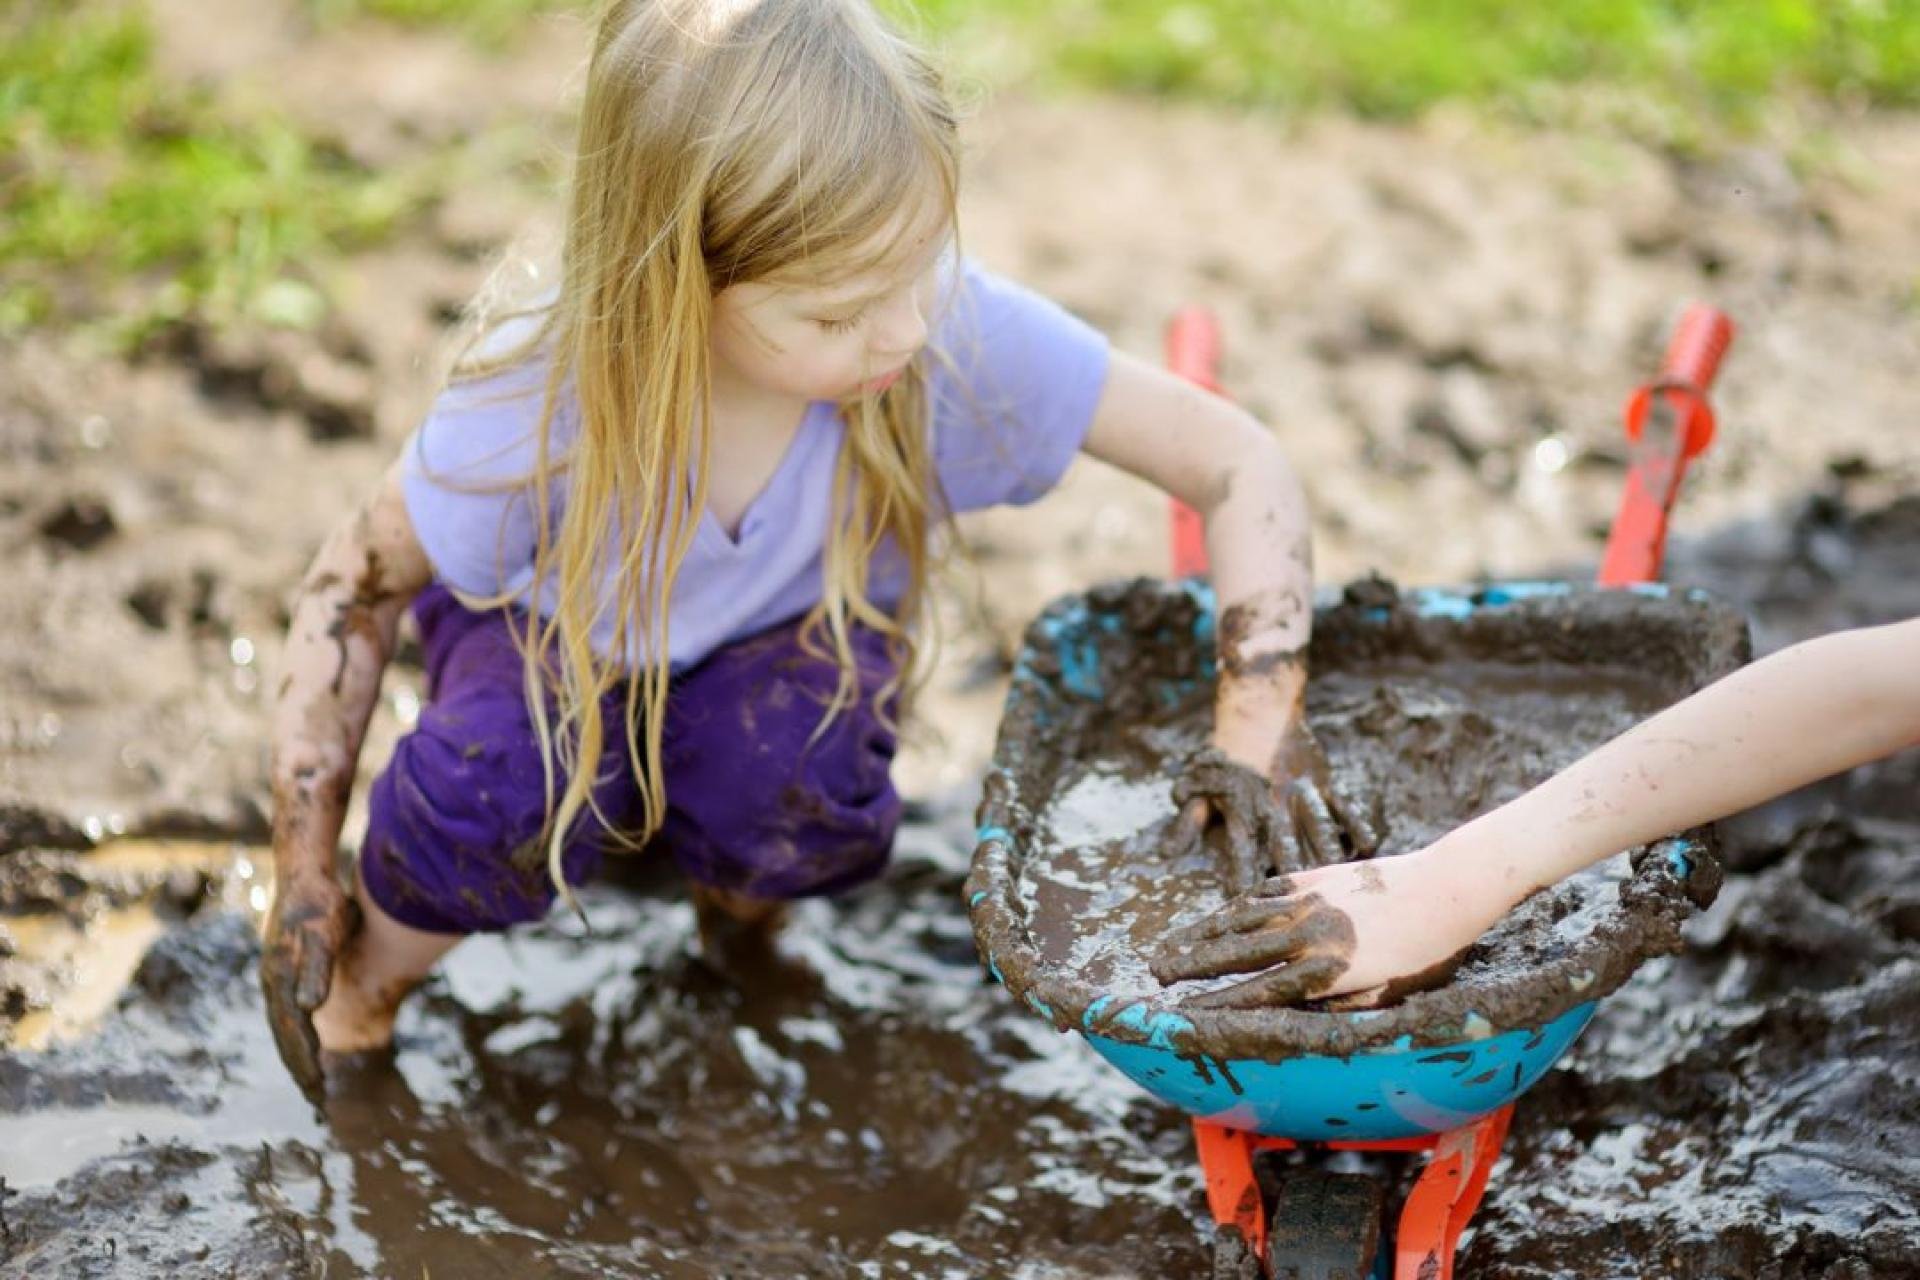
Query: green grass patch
pixel 490 22
pixel 110 173
pixel 1718 59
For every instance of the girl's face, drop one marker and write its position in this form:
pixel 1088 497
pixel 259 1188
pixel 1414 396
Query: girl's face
pixel 830 340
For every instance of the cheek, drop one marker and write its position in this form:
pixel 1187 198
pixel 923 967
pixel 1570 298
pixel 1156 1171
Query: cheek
pixel 798 358
pixel 817 364
pixel 745 346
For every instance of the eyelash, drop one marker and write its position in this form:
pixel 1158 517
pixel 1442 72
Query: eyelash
pixel 841 326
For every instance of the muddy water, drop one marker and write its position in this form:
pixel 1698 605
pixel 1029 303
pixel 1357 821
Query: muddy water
pixel 1751 1107
pixel 1424 746
pixel 864 1105
pixel 855 1103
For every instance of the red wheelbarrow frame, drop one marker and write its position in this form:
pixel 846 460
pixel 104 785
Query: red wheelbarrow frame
pixel 1668 424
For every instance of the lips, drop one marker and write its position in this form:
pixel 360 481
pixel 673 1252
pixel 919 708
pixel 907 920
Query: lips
pixel 874 386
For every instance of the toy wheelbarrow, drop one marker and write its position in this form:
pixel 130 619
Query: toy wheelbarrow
pixel 1431 1073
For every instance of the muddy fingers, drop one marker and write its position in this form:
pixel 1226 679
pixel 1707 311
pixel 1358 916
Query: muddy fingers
pixel 1241 803
pixel 1313 821
pixel 1302 945
pixel 1254 934
pixel 1288 853
pixel 1248 838
pixel 292 1026
pixel 1188 830
pixel 1242 915
pixel 1231 953
pixel 1328 825
pixel 309 924
pixel 1362 834
pixel 1290 983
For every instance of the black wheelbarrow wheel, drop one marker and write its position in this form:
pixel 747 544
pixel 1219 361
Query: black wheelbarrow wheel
pixel 1325 1226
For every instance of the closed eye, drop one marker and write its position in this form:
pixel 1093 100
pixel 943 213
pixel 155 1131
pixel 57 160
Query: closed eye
pixel 841 325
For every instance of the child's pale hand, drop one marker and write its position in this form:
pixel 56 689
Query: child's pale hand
pixel 1353 927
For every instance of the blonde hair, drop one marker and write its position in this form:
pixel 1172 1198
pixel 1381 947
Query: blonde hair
pixel 721 142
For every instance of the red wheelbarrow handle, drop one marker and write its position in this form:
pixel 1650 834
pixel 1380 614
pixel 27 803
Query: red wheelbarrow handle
pixel 1668 424
pixel 1193 352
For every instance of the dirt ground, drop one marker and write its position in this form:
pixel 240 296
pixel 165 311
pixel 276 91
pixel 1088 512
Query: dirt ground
pixel 1440 321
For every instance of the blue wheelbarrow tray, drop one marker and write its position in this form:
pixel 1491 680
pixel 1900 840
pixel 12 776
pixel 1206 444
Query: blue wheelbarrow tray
pixel 1436 705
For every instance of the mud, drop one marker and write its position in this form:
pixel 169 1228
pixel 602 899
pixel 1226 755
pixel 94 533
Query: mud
pixel 856 1103
pixel 1432 718
pixel 1440 319
pixel 867 1105
pixel 1751 1106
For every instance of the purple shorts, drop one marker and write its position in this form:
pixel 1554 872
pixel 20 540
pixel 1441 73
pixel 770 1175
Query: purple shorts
pixel 455 822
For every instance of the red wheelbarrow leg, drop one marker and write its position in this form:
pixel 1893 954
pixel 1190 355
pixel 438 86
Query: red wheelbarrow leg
pixel 1226 1161
pixel 1443 1200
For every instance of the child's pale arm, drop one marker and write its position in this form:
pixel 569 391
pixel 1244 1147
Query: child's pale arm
pixel 1802 714
pixel 1230 468
pixel 343 631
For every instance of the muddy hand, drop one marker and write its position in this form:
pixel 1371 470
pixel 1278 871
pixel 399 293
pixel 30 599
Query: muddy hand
pixel 311 921
pixel 1299 943
pixel 1215 788
pixel 1325 825
pixel 1378 930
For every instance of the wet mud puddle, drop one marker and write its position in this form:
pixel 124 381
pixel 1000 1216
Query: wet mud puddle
pixel 1423 746
pixel 858 1102
pixel 868 1106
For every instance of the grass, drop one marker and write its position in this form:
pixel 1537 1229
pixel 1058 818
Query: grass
pixel 1719 59
pixel 490 22
pixel 110 173
pixel 1385 58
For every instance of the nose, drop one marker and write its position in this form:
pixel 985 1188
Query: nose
pixel 899 329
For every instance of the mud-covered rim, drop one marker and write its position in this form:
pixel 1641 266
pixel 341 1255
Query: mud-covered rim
pixel 1670 880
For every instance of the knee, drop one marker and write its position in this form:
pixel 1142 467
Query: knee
pixel 458 822
pixel 814 820
pixel 471 772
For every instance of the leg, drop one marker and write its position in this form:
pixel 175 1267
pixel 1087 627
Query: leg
pixel 384 961
pixel 456 823
pixel 760 809
pixel 734 923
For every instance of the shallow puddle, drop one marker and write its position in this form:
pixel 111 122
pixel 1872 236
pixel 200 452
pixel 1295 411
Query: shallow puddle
pixel 865 1104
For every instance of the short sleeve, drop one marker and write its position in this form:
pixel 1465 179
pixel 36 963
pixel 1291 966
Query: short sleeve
pixel 466 475
pixel 1013 389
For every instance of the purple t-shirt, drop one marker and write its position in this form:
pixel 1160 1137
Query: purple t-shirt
pixel 1006 420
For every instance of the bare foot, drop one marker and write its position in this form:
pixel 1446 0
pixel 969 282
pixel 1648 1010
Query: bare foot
pixel 354 1020
pixel 372 975
pixel 732 922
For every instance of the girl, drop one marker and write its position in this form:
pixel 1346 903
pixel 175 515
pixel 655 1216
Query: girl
pixel 1802 714
pixel 666 534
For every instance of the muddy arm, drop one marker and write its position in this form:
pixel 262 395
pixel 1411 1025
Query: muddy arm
pixel 1222 462
pixel 345 622
pixel 1229 467
pixel 1800 715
